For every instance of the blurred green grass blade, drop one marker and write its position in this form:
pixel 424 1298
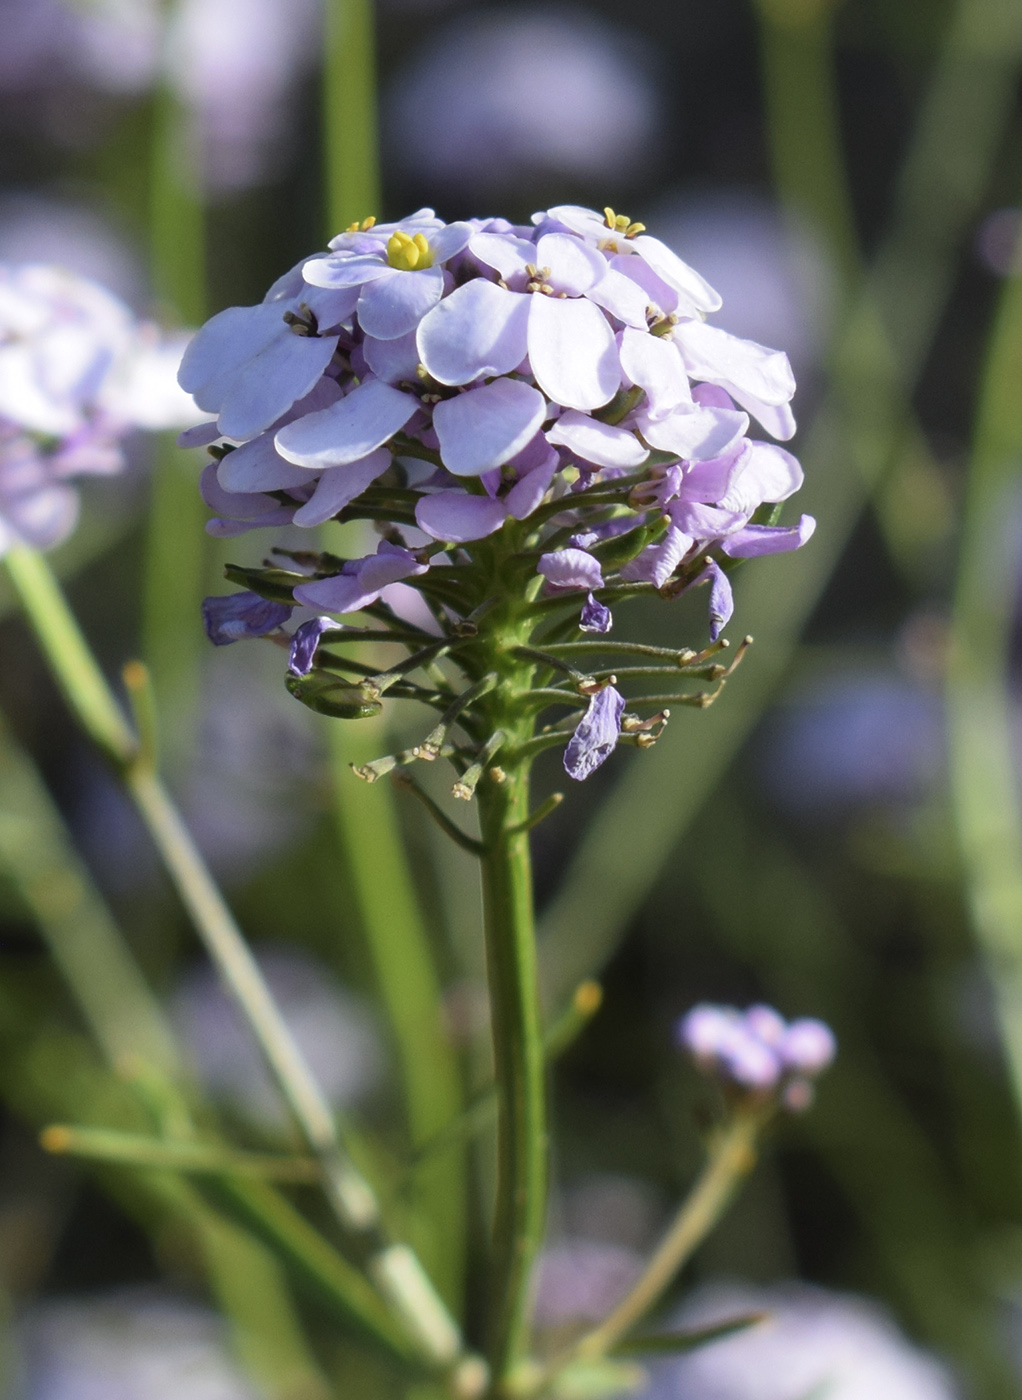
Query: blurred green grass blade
pixel 876 362
pixel 350 140
pixel 675 1343
pixel 138 1150
pixel 39 858
pixel 398 943
pixel 178 553
pixel 310 1258
pixel 982 710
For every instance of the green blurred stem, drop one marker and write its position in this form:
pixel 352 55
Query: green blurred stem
pixel 732 1156
pixel 803 123
pixel 351 1196
pixel 137 1150
pixel 176 546
pixel 349 113
pixel 987 808
pixel 519 1061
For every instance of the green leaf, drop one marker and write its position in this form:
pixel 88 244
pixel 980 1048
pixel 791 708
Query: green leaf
pixel 658 1343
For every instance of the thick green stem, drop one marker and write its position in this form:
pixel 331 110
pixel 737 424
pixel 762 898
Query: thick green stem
pixel 518 1061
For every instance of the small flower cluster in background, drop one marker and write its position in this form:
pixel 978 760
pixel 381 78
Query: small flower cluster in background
pixel 757 1051
pixel 78 373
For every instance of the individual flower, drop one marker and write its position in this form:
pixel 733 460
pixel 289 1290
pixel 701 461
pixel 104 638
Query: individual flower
pixel 543 405
pixel 78 374
pixel 811 1342
pixel 757 1051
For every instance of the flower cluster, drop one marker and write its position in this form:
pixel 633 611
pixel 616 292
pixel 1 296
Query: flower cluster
pixel 549 397
pixel 757 1051
pixel 77 374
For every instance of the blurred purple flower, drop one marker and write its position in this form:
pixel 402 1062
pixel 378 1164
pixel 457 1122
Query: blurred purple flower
pixel 757 1050
pixel 502 98
pixel 811 1343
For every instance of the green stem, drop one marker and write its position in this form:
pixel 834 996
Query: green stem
pixel 732 1156
pixel 349 113
pixel 208 1158
pixel 518 1062
pixel 398 1272
pixel 987 809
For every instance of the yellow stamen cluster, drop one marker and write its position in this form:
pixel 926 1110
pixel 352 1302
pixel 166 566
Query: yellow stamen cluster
pixel 362 227
pixel 620 223
pixel 538 279
pixel 407 252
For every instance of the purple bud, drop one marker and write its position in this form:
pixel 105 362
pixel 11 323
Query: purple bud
pixel 705 1030
pixel 304 644
pixel 570 568
pixel 749 1062
pixel 238 616
pixel 597 734
pixel 766 1024
pixel 808 1047
pixel 596 617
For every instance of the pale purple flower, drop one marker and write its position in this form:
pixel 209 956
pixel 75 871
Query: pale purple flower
pixel 238 616
pixel 571 568
pixel 78 374
pixel 362 580
pixel 597 734
pixel 757 1050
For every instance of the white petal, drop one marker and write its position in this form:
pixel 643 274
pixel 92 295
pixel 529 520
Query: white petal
pixel 622 297
pixel 454 516
pixel 480 329
pixel 572 352
pixel 580 220
pixel 693 289
pixel 777 419
pixel 695 435
pixel 258 466
pixel 601 443
pixel 715 355
pixel 574 268
pixel 392 306
pixel 269 384
pixel 345 269
pixel 486 427
pixel 339 486
pixel 449 240
pixel 504 253
pixel 768 473
pixel 225 343
pixel 656 290
pixel 392 360
pixel 357 425
pixel 656 366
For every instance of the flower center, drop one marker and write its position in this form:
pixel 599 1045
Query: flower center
pixel 408 252
pixel 362 227
pixel 621 225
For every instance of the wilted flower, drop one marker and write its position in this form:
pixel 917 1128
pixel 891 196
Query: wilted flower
pixel 77 374
pixel 757 1050
pixel 810 1343
pixel 553 386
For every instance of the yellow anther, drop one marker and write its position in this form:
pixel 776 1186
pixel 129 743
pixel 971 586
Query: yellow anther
pixel 407 252
pixel 609 217
pixel 633 230
pixel 620 223
pixel 362 227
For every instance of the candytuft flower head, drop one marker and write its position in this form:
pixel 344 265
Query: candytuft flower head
pixel 540 423
pixel 756 1052
pixel 78 373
